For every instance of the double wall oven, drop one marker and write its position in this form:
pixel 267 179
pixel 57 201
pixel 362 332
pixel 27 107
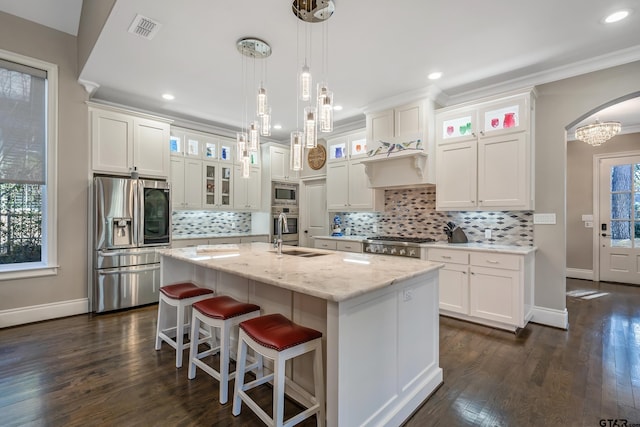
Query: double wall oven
pixel 132 217
pixel 284 199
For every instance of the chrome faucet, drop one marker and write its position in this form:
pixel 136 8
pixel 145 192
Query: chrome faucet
pixel 282 222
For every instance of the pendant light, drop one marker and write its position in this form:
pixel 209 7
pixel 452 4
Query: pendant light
pixel 297 149
pixel 310 134
pixel 248 140
pixel 598 133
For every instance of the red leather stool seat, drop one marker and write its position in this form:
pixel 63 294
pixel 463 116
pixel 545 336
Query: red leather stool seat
pixel 224 307
pixel 277 332
pixel 184 290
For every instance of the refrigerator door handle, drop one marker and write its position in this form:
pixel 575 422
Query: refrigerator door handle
pixel 128 271
pixel 119 253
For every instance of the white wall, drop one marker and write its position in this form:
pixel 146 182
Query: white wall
pixel 558 104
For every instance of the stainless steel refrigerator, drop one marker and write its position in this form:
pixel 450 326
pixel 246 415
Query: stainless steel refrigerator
pixel 132 217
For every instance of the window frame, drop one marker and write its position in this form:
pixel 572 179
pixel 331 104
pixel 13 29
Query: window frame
pixel 48 266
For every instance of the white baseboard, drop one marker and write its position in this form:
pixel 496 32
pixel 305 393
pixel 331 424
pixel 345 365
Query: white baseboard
pixel 550 317
pixel 36 313
pixel 579 273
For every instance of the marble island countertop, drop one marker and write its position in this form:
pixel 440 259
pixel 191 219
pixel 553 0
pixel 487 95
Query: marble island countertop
pixel 485 247
pixel 334 276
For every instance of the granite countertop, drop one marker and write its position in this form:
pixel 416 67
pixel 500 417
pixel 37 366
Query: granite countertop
pixel 213 235
pixel 335 276
pixel 484 247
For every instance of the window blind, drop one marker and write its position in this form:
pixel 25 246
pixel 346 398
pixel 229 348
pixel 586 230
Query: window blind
pixel 22 124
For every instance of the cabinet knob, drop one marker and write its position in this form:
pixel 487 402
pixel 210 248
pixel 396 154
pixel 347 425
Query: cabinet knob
pixel 482 132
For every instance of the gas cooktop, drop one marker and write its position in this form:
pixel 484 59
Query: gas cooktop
pixel 397 245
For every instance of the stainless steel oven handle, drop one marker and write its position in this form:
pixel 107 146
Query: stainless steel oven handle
pixel 122 271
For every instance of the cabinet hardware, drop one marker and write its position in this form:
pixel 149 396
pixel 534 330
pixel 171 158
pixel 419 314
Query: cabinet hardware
pixel 492 262
pixel 446 257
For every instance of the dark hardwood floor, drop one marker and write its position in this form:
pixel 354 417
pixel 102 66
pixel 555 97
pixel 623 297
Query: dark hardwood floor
pixel 103 370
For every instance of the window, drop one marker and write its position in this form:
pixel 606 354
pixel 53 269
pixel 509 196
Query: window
pixel 28 116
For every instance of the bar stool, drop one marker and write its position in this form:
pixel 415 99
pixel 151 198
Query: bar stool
pixel 181 296
pixel 221 312
pixel 276 337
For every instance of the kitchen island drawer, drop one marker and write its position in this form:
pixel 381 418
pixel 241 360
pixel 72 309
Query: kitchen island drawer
pixel 493 260
pixel 349 246
pixel 448 255
pixel 325 244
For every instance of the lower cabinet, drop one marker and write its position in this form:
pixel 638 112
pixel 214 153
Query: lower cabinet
pixel 495 289
pixel 338 245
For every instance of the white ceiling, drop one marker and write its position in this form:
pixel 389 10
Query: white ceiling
pixel 380 52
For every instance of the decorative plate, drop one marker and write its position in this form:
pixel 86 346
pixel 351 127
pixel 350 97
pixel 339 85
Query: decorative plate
pixel 317 157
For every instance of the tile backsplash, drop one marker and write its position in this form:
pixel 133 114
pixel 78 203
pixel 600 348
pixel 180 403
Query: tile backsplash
pixel 412 213
pixel 187 223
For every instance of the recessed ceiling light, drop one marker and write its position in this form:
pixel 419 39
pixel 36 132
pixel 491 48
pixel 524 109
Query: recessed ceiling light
pixel 277 126
pixel 337 107
pixel 168 96
pixel 435 75
pixel 616 16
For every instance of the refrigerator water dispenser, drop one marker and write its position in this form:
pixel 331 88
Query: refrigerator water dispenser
pixel 121 231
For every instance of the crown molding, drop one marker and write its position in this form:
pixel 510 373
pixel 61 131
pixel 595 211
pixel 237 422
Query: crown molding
pixel 597 63
pixel 431 93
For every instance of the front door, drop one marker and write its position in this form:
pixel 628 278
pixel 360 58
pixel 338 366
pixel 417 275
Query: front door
pixel 619 228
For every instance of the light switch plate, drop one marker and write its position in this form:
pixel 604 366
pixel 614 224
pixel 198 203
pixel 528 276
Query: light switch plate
pixel 587 217
pixel 544 218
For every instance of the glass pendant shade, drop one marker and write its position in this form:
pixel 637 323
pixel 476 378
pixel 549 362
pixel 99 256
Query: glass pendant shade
pixel 325 110
pixel 310 130
pixel 296 151
pixel 254 136
pixel 598 133
pixel 305 83
pixel 265 123
pixel 241 144
pixel 246 166
pixel 262 101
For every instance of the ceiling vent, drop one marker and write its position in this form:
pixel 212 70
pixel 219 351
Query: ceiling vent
pixel 144 27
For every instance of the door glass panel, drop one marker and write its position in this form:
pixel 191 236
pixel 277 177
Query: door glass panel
pixel 156 216
pixel 211 185
pixel 621 206
pixel 193 147
pixel 175 144
pixel 460 126
pixel 226 186
pixel 621 234
pixel 210 150
pixel 502 118
pixel 621 178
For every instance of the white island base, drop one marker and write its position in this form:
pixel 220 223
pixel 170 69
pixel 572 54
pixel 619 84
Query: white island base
pixel 381 340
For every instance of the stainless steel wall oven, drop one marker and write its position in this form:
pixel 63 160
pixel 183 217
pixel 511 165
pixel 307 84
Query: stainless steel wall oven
pixel 290 237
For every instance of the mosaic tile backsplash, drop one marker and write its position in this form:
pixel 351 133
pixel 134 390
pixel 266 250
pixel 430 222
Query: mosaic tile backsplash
pixel 194 223
pixel 412 213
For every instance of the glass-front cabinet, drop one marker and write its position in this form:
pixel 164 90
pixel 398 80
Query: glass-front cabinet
pixel 459 125
pixel 217 185
pixel 505 116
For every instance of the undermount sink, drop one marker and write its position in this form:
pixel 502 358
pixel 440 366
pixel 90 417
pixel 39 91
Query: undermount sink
pixel 297 252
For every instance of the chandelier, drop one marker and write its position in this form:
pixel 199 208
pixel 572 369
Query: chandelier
pixel 318 113
pixel 248 139
pixel 597 133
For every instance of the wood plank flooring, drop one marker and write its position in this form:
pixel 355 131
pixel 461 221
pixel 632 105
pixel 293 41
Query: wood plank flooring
pixel 103 370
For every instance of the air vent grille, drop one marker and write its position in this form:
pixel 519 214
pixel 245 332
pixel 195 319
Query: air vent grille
pixel 144 27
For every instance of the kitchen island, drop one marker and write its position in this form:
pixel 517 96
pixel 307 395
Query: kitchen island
pixel 378 316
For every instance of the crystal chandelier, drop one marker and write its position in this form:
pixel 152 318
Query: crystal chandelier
pixel 248 139
pixel 318 114
pixel 597 133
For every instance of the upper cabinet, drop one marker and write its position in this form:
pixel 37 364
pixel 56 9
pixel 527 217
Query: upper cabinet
pixel 402 124
pixel 279 165
pixel 484 155
pixel 347 183
pixel 124 142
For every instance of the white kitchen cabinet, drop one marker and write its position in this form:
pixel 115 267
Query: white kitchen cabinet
pixel 261 238
pixel 217 189
pixel 247 191
pixel 338 245
pixel 495 289
pixel 123 142
pixel 454 279
pixel 347 182
pixel 280 165
pixel 329 244
pixel 404 123
pixel 484 156
pixel 186 183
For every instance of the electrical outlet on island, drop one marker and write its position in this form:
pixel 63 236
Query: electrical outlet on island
pixel 487 233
